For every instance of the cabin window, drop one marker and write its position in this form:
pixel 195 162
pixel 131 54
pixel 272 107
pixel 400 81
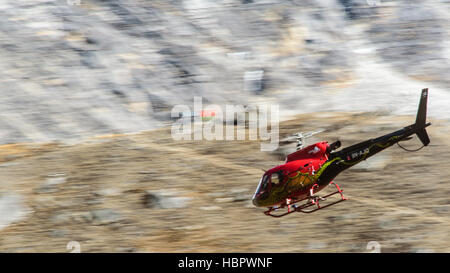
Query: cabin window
pixel 277 178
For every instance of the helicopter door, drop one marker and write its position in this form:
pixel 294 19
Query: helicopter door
pixel 275 179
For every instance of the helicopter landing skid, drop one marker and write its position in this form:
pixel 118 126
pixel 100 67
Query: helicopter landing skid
pixel 312 200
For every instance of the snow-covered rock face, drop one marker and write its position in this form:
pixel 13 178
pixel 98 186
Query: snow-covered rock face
pixel 101 67
pixel 12 209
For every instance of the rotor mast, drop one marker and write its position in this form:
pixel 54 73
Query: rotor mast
pixel 301 138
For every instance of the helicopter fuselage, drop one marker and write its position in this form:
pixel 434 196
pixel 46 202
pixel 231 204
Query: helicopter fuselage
pixel 294 178
pixel 317 164
pixel 311 169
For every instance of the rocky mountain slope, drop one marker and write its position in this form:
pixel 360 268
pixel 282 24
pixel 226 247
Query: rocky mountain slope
pixel 73 71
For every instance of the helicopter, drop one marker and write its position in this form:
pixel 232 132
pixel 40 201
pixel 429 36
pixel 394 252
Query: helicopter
pixel 293 186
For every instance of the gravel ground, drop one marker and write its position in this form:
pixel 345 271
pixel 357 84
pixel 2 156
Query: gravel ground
pixel 147 193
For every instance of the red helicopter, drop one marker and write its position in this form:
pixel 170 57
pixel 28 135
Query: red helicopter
pixel 292 187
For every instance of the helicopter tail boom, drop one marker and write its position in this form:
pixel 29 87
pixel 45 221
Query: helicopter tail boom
pixel 349 156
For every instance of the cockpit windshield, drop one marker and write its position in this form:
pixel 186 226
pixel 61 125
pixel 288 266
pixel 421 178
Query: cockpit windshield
pixel 262 186
pixel 264 182
pixel 273 179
